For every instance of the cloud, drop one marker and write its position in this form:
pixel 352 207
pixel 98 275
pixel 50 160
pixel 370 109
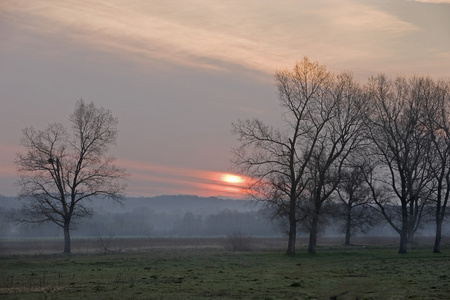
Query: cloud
pixel 149 179
pixel 7 168
pixel 153 179
pixel 257 35
pixel 359 17
pixel 432 1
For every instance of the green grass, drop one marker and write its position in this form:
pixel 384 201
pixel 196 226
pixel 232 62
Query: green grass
pixel 345 273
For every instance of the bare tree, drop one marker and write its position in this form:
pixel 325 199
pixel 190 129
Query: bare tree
pixel 59 173
pixel 289 166
pixel 436 120
pixel 399 176
pixel 354 194
pixel 338 119
pixel 277 160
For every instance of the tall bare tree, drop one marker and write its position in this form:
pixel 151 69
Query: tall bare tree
pixel 60 173
pixel 276 160
pixel 338 120
pixel 399 175
pixel 295 164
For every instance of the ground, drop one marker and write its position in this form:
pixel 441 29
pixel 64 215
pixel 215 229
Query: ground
pixel 204 269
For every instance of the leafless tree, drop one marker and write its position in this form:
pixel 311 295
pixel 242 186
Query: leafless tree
pixel 436 120
pixel 295 164
pixel 338 119
pixel 59 173
pixel 354 194
pixel 276 160
pixel 399 176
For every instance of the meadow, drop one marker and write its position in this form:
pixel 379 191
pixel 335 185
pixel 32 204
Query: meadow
pixel 207 269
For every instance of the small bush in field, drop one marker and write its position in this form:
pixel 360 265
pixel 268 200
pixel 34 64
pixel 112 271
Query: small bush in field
pixel 238 241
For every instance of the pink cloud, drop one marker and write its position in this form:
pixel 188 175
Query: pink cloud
pixel 7 167
pixel 153 179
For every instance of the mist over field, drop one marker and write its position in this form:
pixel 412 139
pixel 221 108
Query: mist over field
pixel 174 216
pixel 162 216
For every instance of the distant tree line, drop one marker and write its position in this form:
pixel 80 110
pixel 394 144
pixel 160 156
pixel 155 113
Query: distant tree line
pixel 380 149
pixel 154 220
pixel 146 222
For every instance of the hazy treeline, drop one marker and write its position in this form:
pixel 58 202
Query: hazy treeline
pixel 189 216
pixel 168 216
pixel 146 222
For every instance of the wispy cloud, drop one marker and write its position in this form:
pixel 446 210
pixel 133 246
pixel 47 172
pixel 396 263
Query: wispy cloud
pixel 147 178
pixel 432 1
pixel 153 179
pixel 257 35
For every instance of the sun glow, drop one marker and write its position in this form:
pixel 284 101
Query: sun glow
pixel 232 178
pixel 152 179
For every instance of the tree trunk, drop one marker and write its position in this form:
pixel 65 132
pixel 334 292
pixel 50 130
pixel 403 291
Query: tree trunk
pixel 66 237
pixel 292 232
pixel 437 239
pixel 348 227
pixel 439 218
pixel 404 230
pixel 403 238
pixel 292 236
pixel 313 234
pixel 411 237
pixel 411 222
pixel 403 243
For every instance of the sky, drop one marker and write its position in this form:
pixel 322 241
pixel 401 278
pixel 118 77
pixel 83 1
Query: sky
pixel 177 73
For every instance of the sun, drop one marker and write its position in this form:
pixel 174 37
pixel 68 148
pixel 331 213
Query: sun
pixel 235 179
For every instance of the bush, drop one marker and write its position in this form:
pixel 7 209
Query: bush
pixel 237 241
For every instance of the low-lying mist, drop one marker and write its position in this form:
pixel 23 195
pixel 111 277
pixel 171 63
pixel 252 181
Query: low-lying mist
pixel 174 216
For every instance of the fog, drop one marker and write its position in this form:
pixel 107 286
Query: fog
pixel 163 216
pixel 177 216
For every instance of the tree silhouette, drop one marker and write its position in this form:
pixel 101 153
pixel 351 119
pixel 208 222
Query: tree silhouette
pixel 59 173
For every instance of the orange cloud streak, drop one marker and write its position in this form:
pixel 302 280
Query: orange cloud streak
pixel 151 179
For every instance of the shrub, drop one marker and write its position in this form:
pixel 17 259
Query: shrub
pixel 237 241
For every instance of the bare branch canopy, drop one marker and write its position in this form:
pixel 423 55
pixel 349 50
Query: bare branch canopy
pixel 60 172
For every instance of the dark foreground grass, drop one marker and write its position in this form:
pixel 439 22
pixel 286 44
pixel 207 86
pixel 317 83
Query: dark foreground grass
pixel 333 273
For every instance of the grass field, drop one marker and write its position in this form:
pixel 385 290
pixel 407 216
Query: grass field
pixel 335 272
